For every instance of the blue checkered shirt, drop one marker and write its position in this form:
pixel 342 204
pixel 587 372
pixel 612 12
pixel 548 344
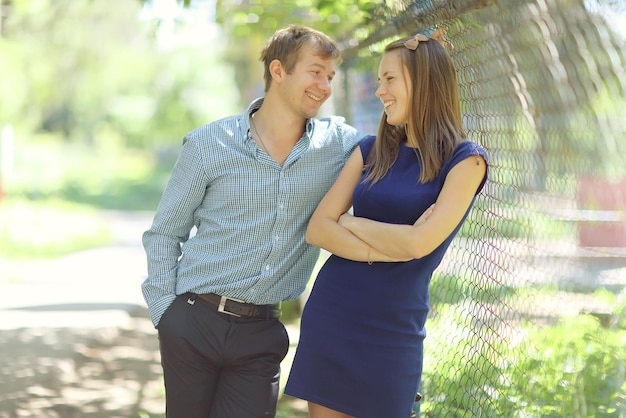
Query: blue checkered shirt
pixel 250 214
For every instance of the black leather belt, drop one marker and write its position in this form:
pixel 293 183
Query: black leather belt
pixel 239 308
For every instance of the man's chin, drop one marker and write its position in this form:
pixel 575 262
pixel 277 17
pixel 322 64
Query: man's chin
pixel 311 113
pixel 314 110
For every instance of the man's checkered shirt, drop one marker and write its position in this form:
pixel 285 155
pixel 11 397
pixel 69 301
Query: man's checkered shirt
pixel 250 214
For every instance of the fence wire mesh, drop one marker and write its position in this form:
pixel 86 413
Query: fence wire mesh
pixel 528 307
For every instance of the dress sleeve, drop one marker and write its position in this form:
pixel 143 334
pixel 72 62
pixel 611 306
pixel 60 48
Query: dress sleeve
pixel 366 145
pixel 462 151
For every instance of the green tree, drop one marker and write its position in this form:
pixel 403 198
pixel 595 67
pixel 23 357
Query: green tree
pixel 90 72
pixel 247 24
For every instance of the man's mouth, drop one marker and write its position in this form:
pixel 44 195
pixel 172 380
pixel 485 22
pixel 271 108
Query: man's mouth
pixel 315 97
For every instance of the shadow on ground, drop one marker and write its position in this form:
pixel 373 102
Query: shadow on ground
pixel 95 360
pixel 81 371
pixel 75 337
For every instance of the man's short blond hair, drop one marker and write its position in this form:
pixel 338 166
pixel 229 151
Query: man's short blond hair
pixel 285 46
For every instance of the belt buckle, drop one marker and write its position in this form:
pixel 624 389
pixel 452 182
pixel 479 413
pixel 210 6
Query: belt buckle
pixel 222 305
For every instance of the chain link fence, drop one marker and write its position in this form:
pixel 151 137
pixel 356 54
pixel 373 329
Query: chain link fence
pixel 528 307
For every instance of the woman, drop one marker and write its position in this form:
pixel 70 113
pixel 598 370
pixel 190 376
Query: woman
pixel 360 348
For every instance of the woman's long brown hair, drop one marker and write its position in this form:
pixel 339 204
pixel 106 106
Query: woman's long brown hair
pixel 435 124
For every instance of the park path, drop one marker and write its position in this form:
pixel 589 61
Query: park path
pixel 93 280
pixel 75 337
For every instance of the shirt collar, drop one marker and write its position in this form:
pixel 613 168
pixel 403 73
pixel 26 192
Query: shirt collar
pixel 254 106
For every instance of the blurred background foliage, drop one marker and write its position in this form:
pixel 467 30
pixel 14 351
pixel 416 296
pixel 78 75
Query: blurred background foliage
pixel 90 100
pixel 88 72
pixel 95 98
pixel 142 73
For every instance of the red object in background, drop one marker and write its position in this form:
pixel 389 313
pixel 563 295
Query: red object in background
pixel 607 202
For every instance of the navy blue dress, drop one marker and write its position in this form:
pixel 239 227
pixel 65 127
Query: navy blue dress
pixel 362 328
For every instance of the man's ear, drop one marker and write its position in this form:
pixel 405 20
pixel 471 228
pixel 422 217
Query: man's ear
pixel 276 70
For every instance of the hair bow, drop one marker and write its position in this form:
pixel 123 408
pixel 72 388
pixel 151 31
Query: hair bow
pixel 414 42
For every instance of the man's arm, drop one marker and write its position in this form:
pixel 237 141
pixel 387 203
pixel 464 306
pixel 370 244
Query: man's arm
pixel 171 227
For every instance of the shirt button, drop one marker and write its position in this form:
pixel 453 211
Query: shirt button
pixel 282 206
pixel 277 238
pixel 267 267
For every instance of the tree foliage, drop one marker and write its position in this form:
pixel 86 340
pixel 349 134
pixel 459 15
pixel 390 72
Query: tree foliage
pixel 91 72
pixel 247 24
pixel 262 17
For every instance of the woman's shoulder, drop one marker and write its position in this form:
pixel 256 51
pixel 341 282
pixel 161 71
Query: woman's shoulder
pixel 366 144
pixel 462 151
pixel 466 149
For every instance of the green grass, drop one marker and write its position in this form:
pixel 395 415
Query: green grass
pixel 48 228
pixel 52 197
pixel 95 176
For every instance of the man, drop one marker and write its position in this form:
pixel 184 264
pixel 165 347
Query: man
pixel 248 184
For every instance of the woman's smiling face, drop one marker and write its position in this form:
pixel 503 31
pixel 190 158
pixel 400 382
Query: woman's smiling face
pixel 393 89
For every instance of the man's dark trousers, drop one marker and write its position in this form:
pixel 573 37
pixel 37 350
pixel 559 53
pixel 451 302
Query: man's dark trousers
pixel 219 366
